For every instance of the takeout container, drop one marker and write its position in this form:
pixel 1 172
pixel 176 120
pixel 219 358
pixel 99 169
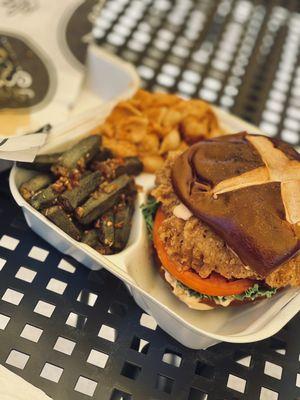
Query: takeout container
pixel 133 265
pixel 83 114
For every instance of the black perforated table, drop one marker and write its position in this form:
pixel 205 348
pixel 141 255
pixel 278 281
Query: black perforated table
pixel 78 334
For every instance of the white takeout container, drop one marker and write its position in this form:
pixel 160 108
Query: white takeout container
pixel 194 329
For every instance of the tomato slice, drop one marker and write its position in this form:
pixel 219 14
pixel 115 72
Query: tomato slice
pixel 215 285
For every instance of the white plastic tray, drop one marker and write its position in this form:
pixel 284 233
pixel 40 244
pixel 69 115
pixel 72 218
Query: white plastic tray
pixel 194 329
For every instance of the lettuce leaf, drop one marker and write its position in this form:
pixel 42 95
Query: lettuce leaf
pixel 252 293
pixel 256 291
pixel 149 210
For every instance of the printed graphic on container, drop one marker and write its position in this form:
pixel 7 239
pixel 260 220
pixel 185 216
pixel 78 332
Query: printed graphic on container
pixel 77 29
pixel 24 78
pixel 19 6
pixel 27 82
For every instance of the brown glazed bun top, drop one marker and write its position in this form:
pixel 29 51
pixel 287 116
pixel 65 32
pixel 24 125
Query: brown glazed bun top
pixel 247 189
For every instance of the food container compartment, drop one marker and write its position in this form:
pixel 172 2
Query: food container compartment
pixel 133 265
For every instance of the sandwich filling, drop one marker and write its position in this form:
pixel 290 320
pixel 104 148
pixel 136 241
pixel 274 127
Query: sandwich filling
pixel 192 298
pixel 195 245
pixel 194 290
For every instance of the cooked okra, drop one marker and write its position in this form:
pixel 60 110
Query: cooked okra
pixel 78 156
pixel 38 182
pixel 101 200
pixel 104 154
pixel 76 196
pixel 112 168
pixel 44 198
pixel 41 163
pixel 122 224
pixel 64 221
pixel 131 166
pixel 87 193
pixel 91 237
pixel 107 230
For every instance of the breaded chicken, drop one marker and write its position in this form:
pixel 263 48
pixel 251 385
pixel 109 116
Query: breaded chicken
pixel 195 245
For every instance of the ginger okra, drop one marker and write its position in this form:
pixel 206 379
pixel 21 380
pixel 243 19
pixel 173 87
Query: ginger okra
pixel 86 192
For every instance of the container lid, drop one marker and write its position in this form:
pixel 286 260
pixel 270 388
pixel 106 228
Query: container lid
pixel 108 80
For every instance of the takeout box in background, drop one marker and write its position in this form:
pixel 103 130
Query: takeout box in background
pixel 41 74
pixel 96 99
pixel 194 329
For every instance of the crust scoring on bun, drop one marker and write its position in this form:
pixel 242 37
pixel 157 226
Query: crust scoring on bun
pixel 244 188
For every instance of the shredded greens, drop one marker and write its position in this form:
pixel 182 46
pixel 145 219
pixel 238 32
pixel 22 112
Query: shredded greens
pixel 252 293
pixel 149 209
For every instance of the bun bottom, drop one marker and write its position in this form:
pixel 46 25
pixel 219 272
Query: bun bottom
pixel 193 302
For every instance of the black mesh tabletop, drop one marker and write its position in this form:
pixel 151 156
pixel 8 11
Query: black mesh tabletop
pixel 78 334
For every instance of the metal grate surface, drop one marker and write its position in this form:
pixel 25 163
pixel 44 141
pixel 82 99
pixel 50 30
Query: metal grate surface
pixel 78 334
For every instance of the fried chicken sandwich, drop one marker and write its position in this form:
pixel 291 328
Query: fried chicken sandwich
pixel 227 224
